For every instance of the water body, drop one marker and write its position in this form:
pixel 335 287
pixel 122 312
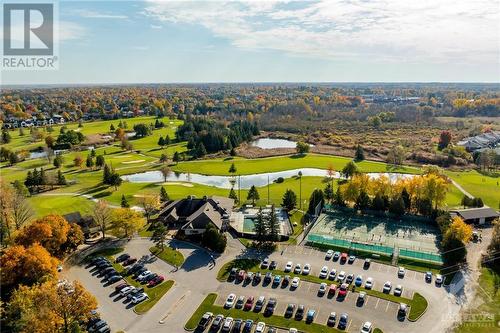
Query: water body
pixel 245 181
pixel 270 143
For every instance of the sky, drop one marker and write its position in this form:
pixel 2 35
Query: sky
pixel 273 41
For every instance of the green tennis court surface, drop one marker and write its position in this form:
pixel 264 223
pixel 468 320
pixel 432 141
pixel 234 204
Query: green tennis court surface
pixel 411 238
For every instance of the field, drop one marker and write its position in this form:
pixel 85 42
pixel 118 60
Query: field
pixel 486 187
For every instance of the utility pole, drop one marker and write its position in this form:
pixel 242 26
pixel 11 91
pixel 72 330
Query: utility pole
pixel 300 189
pixel 239 189
pixel 268 189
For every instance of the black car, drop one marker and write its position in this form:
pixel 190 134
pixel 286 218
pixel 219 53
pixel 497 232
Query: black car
pixel 122 257
pixel 94 328
pixel 271 305
pixel 344 319
pixel 271 330
pixel 149 278
pixel 134 268
pixel 114 278
pixel 232 274
pixel 103 264
pixel 290 309
pixel 105 271
pixel 92 321
pixel 248 326
pixel 238 324
pixel 96 260
pixel 205 320
pixel 104 329
pixel 286 281
pixel 111 273
pixel 268 277
pixel 367 263
pixel 139 272
pixel 257 278
pixel 300 312
pixel 273 265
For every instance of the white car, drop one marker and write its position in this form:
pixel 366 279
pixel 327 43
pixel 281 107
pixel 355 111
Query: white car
pixel 324 272
pixel 333 274
pixel 293 330
pixel 369 283
pixel 367 327
pixel 139 298
pixel 329 255
pixel 295 282
pixel 306 270
pixel 297 269
pixel 144 275
pixel 228 323
pixel 231 298
pixel 387 287
pixel 322 288
pixel 341 276
pixel 288 266
pixel 398 290
pixel 401 272
pixel 439 279
pixel 127 290
pixel 261 326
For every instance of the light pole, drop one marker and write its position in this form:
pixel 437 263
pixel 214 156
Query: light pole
pixel 300 189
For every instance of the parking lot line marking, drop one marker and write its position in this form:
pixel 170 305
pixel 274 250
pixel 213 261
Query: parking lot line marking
pixel 387 306
pixel 174 306
pixel 378 300
pixel 348 325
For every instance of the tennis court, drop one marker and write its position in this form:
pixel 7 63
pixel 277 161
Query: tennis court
pixel 411 238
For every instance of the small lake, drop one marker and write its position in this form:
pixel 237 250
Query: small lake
pixel 245 181
pixel 270 143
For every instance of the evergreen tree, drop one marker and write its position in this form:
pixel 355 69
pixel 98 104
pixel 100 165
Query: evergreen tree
pixel 159 236
pixel 163 158
pixel 253 194
pixel 232 168
pixel 124 203
pixel 397 206
pixel 176 157
pixel 260 227
pixel 90 162
pixel 360 154
pixel 200 150
pixel 329 194
pixel 92 153
pixel 164 195
pixel 350 169
pixel 362 201
pixel 289 200
pixel 338 199
pixel 112 128
pixel 232 152
pixel 232 195
pixel 99 161
pixel 406 199
pixel 167 140
pixel 106 178
pixel 161 142
pixel 61 180
pixel 273 225
pixel 6 138
pixel 29 182
pixel 13 158
pixel 58 161
pixel 115 180
pixel 378 203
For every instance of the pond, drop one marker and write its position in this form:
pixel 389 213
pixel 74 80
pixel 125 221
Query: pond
pixel 245 181
pixel 270 143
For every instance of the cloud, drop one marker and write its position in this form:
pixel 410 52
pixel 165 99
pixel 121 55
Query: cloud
pixel 98 15
pixel 377 30
pixel 154 26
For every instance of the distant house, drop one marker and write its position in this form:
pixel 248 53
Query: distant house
pixel 89 227
pixel 193 215
pixel 485 140
pixel 57 119
pixel 476 215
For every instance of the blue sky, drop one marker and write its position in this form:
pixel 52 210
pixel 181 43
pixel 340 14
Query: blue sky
pixel 268 41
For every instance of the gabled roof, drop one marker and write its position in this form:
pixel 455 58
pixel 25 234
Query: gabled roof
pixel 476 213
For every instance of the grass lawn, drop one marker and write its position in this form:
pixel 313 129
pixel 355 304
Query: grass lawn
pixel 272 164
pixel 169 255
pixel 485 315
pixel 274 320
pixel 419 266
pixel 61 204
pixel 417 304
pixel 479 185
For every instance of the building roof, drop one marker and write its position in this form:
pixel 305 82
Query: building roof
pixel 476 213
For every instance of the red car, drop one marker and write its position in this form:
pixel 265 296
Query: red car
pixel 156 281
pixel 343 256
pixel 241 275
pixel 343 290
pixel 129 261
pixel 249 303
pixel 332 289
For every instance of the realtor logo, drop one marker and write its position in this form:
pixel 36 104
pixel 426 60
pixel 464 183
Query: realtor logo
pixel 38 29
pixel 29 36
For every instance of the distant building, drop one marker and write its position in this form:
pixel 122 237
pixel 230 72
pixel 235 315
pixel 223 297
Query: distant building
pixel 476 215
pixel 485 140
pixel 193 215
pixel 87 223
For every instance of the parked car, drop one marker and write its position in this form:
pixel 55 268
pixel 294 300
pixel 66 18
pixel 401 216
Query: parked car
pixel 232 274
pixel 261 326
pixel 135 292
pixel 239 302
pixel 249 277
pixel 150 277
pixel 369 283
pixel 265 263
pixel 248 326
pixel 343 257
pixel 295 282
pixel 367 327
pixel 322 289
pixel 97 326
pixel 143 275
pixel 343 321
pixel 351 259
pixel 286 281
pixel 231 298
pixel 288 266
pixel 310 316
pixel 271 305
pixel 332 275
pixel 300 312
pixel 343 290
pixel 114 278
pixel 227 325
pixel 139 298
pixel 323 273
pixel 358 281
pixel 129 261
pixel 428 277
pixel 205 320
pixel 273 265
pixel 332 289
pixel 241 275
pixel 329 255
pixel 259 304
pixel 249 303
pixel 156 281
pixel 402 310
pixel 332 319
pixel 306 270
pixel 139 272
pixel 121 286
pixel 127 290
pixel 217 323
pixel 238 324
pixel 95 260
pixel 290 309
pixel 401 272
pixel 257 277
pixel 349 278
pixel 367 263
pixel 297 269
pixel 268 277
pixel 277 280
pixel 439 279
pixel 122 257
pixel 341 276
pixel 387 287
pixel 134 268
pixel 398 290
pixel 336 256
pixel 361 298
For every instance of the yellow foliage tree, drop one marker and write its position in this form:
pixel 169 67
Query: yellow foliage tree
pixel 126 221
pixel 460 229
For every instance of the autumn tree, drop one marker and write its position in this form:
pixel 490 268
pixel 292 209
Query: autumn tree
pixel 150 204
pixel 444 139
pixel 78 161
pixel 126 221
pixel 165 172
pixel 302 148
pixel 102 216
pixel 460 229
